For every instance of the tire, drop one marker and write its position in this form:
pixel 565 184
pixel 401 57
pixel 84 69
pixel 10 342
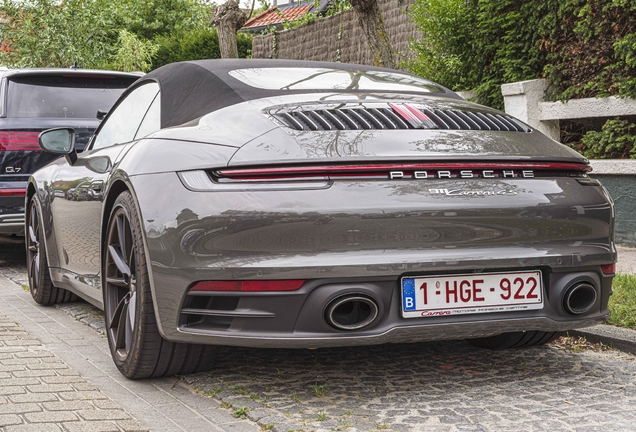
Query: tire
pixel 138 349
pixel 42 289
pixel 515 340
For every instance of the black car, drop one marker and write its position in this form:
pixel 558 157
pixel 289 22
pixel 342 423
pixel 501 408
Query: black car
pixel 294 204
pixel 32 100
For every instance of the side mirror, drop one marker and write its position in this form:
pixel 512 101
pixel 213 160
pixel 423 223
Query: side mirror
pixel 59 141
pixel 101 114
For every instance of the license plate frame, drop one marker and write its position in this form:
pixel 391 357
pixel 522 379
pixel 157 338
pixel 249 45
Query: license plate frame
pixel 433 300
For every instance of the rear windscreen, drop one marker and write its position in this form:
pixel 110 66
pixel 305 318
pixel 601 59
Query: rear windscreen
pixel 333 79
pixel 63 96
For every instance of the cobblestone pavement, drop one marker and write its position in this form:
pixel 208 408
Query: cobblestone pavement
pixel 40 392
pixel 445 386
pixel 57 374
pixel 449 386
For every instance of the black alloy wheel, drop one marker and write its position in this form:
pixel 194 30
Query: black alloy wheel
pixel 33 251
pixel 121 285
pixel 137 347
pixel 42 289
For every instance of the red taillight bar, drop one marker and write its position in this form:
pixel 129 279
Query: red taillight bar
pixel 325 169
pixel 248 285
pixel 12 192
pixel 16 141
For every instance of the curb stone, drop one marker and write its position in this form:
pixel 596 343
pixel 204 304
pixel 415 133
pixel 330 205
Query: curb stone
pixel 618 338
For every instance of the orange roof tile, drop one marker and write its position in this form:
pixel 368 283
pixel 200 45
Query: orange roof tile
pixel 274 16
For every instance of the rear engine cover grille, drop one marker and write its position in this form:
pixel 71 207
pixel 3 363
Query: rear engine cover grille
pixel 397 117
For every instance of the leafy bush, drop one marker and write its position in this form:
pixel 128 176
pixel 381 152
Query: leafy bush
pixel 42 33
pixel 584 48
pixel 133 54
pixel 244 42
pixel 625 52
pixel 616 140
pixel 194 45
pixel 591 51
pixel 149 19
pixel 305 19
pixel 201 43
pixel 107 34
pixel 445 53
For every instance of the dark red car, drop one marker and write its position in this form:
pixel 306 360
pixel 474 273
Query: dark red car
pixel 33 100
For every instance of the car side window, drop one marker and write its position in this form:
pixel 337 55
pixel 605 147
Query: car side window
pixel 122 124
pixel 152 121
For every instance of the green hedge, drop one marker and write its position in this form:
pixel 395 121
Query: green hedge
pixel 584 48
pixel 197 44
pixel 615 140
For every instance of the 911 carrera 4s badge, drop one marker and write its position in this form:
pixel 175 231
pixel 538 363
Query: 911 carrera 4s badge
pixel 459 192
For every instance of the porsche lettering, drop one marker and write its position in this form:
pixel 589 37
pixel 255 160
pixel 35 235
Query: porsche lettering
pixel 463 174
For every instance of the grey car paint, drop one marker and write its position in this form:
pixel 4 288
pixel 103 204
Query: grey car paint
pixel 351 236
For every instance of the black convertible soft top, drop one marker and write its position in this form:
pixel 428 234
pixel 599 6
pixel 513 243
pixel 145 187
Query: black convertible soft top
pixel 191 89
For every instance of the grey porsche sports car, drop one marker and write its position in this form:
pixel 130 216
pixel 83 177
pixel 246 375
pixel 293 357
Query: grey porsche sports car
pixel 270 203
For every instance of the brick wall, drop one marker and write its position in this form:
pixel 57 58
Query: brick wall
pixel 338 38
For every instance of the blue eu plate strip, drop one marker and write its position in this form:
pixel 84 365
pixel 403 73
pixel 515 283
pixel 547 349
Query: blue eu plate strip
pixel 408 294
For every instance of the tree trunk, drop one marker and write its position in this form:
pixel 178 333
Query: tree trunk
pixel 372 24
pixel 228 18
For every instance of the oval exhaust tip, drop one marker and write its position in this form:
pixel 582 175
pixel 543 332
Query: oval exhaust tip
pixel 579 298
pixel 351 312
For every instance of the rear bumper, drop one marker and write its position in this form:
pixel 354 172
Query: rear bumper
pixel 410 334
pixel 12 208
pixel 298 319
pixel 12 224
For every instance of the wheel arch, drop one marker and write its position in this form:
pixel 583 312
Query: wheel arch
pixel 116 188
pixel 52 258
pixel 29 192
pixel 119 185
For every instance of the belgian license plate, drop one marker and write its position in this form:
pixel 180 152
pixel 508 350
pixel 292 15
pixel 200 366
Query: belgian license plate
pixel 430 296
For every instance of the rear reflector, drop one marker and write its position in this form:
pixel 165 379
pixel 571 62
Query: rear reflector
pixel 248 285
pixel 19 141
pixel 12 192
pixel 608 269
